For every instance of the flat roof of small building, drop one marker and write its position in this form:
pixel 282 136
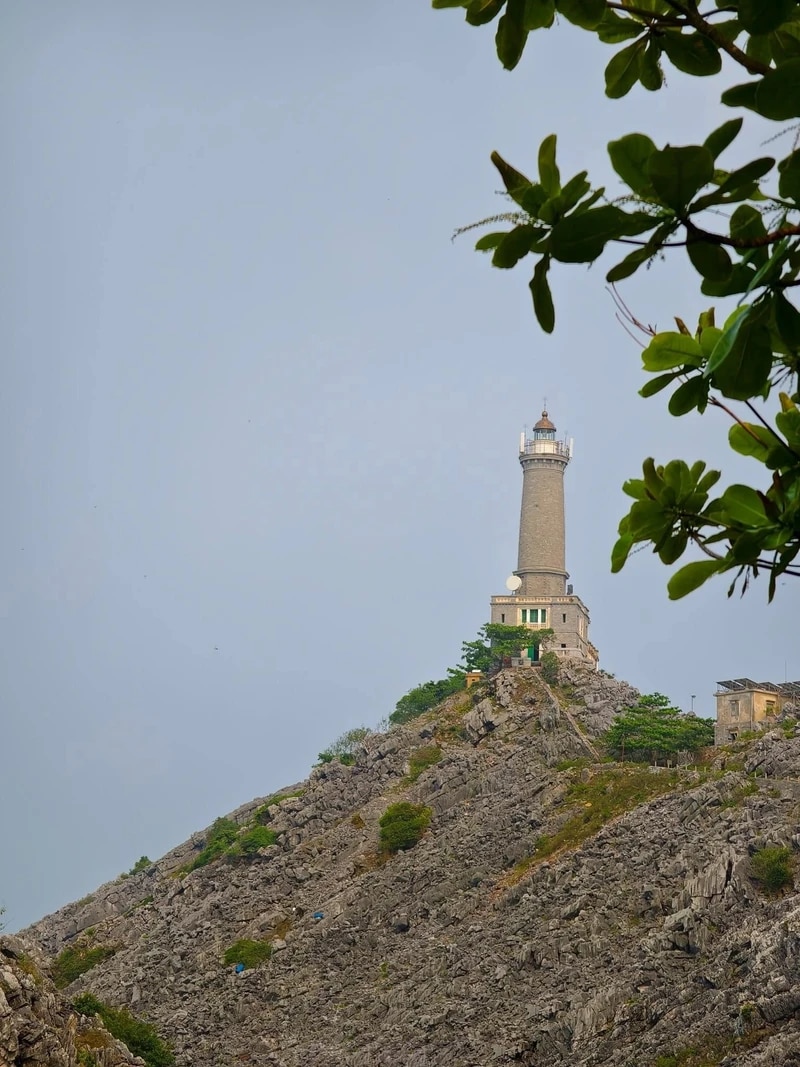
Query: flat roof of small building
pixel 739 685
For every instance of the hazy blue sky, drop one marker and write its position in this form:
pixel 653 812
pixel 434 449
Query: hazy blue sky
pixel 260 415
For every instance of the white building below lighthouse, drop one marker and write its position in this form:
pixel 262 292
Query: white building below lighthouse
pixel 538 594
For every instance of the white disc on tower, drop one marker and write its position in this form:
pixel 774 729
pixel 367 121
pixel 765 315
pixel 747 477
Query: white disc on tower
pixel 513 582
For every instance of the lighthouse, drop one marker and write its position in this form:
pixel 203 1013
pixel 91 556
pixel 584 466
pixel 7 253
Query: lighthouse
pixel 538 594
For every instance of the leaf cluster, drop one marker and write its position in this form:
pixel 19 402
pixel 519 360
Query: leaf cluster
pixel 739 227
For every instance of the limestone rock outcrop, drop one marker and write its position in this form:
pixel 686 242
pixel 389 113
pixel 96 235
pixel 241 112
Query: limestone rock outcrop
pixel 526 926
pixel 37 1026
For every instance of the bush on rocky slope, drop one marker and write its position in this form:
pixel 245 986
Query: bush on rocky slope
pixel 402 825
pixel 140 1037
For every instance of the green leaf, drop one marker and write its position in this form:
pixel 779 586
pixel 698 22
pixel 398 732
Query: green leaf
pixel 480 12
pixel 629 156
pixel 719 139
pixel 692 576
pixel 709 336
pixel 622 71
pixel 710 260
pixel 678 173
pixel 673 548
pixel 753 440
pixel 511 34
pixel 548 171
pixel 740 278
pixel 743 505
pixel 515 245
pixel 489 241
pixel 741 362
pixel 788 422
pixel 787 322
pixel 647 520
pixel 751 172
pixel 630 264
pixel 588 14
pixel 778 92
pixel 789 183
pixel 650 68
pixel 530 197
pixel 620 553
pixel 689 395
pixel 786 43
pixel 655 385
pixel 581 238
pixel 759 47
pixel 441 4
pixel 693 53
pixel 671 349
pixel 743 95
pixel 614 29
pixel 542 297
pixel 747 223
pixel 762 16
pixel 539 14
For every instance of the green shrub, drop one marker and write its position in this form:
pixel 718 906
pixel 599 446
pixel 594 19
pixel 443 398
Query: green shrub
pixel 77 960
pixel 141 865
pixel 257 837
pixel 402 825
pixel 420 759
pixel 550 667
pixel 140 1037
pixel 250 953
pixel 773 868
pixel 426 696
pixel 220 837
pixel 345 747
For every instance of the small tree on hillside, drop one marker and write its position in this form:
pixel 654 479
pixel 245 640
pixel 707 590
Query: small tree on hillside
pixel 345 747
pixel 653 730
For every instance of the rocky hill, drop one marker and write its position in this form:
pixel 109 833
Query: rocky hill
pixel 558 910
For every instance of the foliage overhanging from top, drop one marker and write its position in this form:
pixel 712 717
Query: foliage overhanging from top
pixel 740 228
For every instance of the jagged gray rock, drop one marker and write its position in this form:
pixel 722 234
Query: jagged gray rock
pixel 37 1026
pixel 647 936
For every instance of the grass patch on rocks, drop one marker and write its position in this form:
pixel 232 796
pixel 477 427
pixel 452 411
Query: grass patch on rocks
pixel 419 761
pixel 76 960
pixel 773 868
pixel 247 952
pixel 140 1037
pixel 606 794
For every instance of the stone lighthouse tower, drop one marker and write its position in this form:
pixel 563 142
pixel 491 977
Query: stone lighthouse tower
pixel 539 596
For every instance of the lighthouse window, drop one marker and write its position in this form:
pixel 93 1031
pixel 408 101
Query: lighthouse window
pixel 524 614
pixel 502 618
pixel 544 615
pixel 563 617
pixel 534 614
